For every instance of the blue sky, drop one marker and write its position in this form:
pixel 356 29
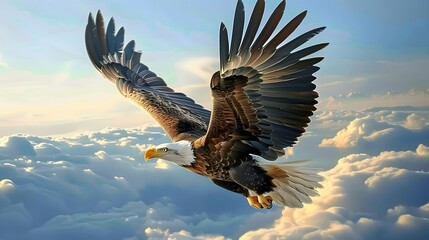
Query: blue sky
pixel 71 143
pixel 43 59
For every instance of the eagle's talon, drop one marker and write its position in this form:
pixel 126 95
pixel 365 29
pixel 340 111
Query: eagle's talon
pixel 265 201
pixel 260 201
pixel 253 201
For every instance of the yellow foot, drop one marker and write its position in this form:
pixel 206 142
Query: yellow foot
pixel 265 201
pixel 260 201
pixel 253 201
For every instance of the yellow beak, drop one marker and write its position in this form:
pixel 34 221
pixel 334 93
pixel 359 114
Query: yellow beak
pixel 152 153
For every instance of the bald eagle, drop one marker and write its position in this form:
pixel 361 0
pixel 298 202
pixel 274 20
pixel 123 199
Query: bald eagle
pixel 262 98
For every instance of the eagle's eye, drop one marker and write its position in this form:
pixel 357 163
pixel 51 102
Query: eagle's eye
pixel 164 149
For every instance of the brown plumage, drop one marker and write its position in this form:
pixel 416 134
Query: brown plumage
pixel 262 98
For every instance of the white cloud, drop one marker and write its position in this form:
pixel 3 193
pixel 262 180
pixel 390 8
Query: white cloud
pixel 156 233
pixel 358 130
pixel 413 117
pixel 161 164
pixel 96 185
pixel 415 121
pixel 380 197
pixel 74 186
pixel 16 146
pixel 367 134
pixel 6 185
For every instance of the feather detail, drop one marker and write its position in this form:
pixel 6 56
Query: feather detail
pixel 294 184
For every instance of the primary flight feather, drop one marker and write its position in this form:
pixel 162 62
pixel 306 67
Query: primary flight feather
pixel 262 97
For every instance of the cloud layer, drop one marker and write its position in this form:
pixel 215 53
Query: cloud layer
pixel 380 131
pixel 96 186
pixel 366 132
pixel 365 197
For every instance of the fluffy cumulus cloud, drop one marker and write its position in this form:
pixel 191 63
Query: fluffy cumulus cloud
pixel 97 186
pixel 334 134
pixel 365 197
pixel 375 130
pixel 364 131
pixel 406 116
pixel 415 121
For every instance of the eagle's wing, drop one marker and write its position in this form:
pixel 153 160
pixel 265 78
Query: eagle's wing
pixel 177 114
pixel 263 95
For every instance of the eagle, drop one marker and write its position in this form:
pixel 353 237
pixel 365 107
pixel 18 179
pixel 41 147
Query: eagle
pixel 262 98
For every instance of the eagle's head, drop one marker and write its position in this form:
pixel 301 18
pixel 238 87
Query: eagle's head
pixel 179 152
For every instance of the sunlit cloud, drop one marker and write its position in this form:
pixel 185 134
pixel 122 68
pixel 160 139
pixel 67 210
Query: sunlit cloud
pixel 365 197
pixel 366 133
pixel 161 164
pixel 6 185
pixel 415 121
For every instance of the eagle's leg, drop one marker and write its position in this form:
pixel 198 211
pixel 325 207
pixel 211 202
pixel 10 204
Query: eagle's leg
pixel 260 201
pixel 254 178
pixel 253 201
pixel 265 201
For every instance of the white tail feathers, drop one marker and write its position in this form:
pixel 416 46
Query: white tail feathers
pixel 294 184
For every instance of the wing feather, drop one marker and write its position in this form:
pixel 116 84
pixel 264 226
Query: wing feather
pixel 270 26
pixel 237 32
pixel 101 33
pixel 263 94
pixel 252 28
pixel 223 47
pixel 110 37
pixel 179 115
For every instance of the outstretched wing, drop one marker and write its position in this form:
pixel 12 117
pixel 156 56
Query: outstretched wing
pixel 177 114
pixel 263 95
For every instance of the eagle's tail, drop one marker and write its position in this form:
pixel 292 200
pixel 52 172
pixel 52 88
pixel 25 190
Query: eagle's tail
pixel 294 184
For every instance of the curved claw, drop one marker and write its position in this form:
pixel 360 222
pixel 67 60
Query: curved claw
pixel 260 201
pixel 253 201
pixel 265 201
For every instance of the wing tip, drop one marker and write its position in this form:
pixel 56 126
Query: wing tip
pixel 222 26
pixel 324 45
pixel 91 18
pixel 321 29
pixel 240 5
pixel 111 21
pixel 99 17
